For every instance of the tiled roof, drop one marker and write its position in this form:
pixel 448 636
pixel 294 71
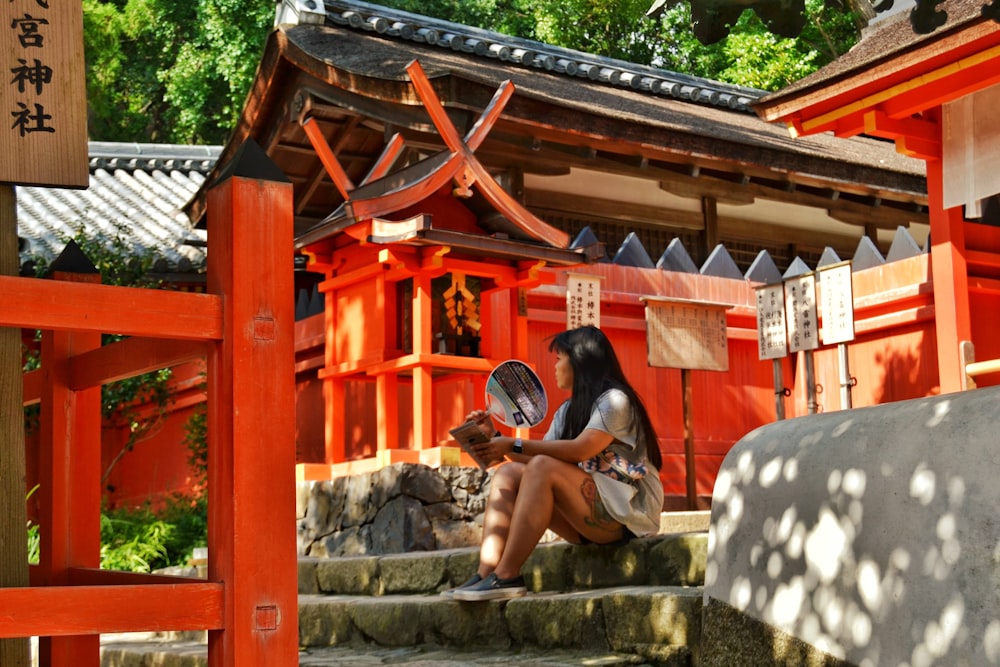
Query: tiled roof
pixel 137 191
pixel 528 53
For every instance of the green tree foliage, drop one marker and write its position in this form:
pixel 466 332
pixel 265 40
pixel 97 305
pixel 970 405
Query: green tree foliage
pixel 178 72
pixel 171 72
pixel 750 56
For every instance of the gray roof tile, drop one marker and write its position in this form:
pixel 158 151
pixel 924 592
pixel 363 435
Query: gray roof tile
pixel 137 191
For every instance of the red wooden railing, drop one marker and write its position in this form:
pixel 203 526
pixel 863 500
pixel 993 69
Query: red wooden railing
pixel 244 326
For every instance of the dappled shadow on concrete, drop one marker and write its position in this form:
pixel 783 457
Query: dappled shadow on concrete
pixel 869 534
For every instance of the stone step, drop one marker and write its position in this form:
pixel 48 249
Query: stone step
pixel 629 625
pixel 637 620
pixel 125 652
pixel 676 559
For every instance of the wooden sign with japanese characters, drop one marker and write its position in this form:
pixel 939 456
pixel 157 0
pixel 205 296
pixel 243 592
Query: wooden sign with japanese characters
pixel 772 340
pixel 44 140
pixel 583 300
pixel 687 334
pixel 801 313
pixel 837 303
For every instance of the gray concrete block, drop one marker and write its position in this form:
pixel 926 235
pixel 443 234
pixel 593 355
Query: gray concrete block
pixel 665 615
pixel 548 568
pixel 308 584
pixel 678 560
pixel 558 620
pixel 324 620
pixel 349 576
pixel 413 572
pixel 606 566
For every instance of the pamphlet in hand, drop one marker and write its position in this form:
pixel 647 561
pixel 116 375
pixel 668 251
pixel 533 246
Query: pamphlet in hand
pixel 467 435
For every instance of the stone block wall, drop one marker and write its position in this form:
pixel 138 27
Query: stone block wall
pixel 401 508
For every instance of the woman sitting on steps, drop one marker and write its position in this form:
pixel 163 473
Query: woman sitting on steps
pixel 594 478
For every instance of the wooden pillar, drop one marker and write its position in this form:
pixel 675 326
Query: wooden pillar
pixel 333 387
pixel 710 215
pixel 423 389
pixel 952 320
pixel 251 416
pixel 13 537
pixel 386 384
pixel 69 474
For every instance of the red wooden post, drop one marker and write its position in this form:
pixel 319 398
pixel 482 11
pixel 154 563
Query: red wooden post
pixel 70 470
pixel 251 416
pixel 952 319
pixel 333 386
pixel 423 391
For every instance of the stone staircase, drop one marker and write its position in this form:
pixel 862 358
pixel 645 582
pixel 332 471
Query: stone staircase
pixel 633 604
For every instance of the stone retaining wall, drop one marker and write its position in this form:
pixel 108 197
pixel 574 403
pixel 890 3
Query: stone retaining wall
pixel 401 508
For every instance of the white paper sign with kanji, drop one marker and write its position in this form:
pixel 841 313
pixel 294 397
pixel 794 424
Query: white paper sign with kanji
pixel 837 303
pixel 772 336
pixel 583 300
pixel 801 313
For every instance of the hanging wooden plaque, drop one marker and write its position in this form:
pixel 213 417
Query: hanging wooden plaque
pixel 44 138
pixel 687 334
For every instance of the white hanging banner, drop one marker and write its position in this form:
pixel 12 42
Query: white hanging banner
pixel 583 300
pixel 970 148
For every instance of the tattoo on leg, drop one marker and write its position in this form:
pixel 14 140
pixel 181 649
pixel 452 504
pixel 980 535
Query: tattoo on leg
pixel 599 517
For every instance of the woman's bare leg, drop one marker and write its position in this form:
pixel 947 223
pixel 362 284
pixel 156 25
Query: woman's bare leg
pixel 496 518
pixel 550 493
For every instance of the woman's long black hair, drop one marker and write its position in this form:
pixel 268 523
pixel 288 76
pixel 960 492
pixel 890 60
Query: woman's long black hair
pixel 595 370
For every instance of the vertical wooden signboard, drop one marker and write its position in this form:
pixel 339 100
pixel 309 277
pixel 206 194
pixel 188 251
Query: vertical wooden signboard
pixel 802 319
pixel 583 300
pixel 688 335
pixel 837 306
pixel 772 337
pixel 44 137
pixel 43 141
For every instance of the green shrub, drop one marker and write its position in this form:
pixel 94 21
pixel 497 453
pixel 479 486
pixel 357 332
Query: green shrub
pixel 142 540
pixel 33 537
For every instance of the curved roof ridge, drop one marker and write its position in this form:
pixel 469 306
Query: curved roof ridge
pixel 483 43
pixel 131 156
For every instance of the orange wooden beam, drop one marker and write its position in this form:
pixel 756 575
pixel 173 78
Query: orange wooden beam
pixel 442 361
pixel 926 91
pixel 54 611
pixel 913 137
pixel 251 419
pixel 385 161
pixel 470 168
pixel 130 357
pixel 326 156
pixel 34 303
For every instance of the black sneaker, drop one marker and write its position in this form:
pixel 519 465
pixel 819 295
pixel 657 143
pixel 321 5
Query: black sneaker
pixel 492 588
pixel 450 593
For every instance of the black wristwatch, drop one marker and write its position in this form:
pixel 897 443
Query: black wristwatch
pixel 518 446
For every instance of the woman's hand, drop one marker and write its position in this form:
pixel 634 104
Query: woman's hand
pixel 495 450
pixel 483 421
